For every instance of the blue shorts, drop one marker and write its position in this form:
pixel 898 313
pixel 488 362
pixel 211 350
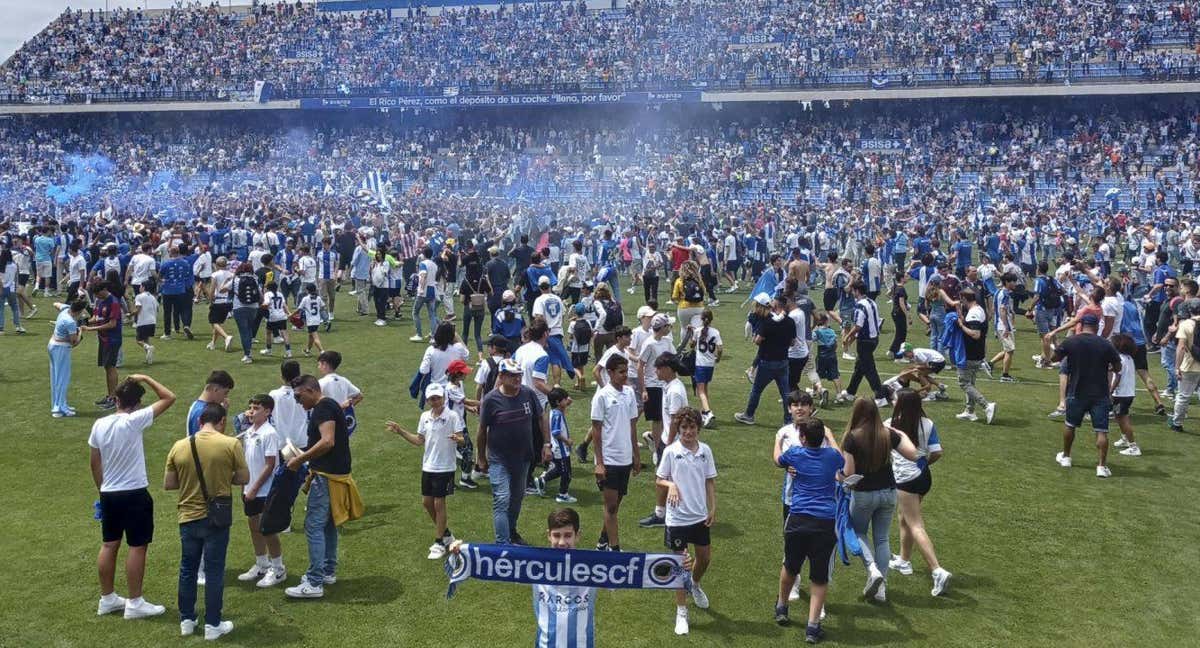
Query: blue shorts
pixel 1048 319
pixel 1099 408
pixel 558 353
pixel 703 375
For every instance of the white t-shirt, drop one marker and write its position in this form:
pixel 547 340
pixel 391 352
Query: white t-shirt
pixel 1128 380
pixel 637 336
pixel 140 267
pixel 276 306
pixel 222 283
pixel 977 314
pixel 148 314
pixel 730 248
pixel 535 363
pixel 259 445
pixel 551 308
pixel 77 270
pixel 610 352
pixel 311 307
pixel 927 356
pixel 799 348
pixel 690 471
pixel 456 401
pixel 616 411
pixel 440 449
pixel 118 437
pixel 649 352
pixel 706 348
pixel 337 387
pixel 435 360
pixel 289 418
pixel 202 267
pixel 307 269
pixel 1113 306
pixel 674 399
pixel 582 270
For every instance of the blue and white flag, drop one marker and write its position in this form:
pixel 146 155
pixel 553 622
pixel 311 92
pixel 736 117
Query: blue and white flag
pixel 878 82
pixel 376 182
pixel 572 568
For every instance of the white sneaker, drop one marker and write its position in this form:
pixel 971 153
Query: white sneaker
pixel 794 595
pixel 264 352
pixel 476 475
pixel 209 346
pixel 699 597
pixel 255 572
pixel 1121 443
pixel 228 341
pixel 212 633
pixel 881 595
pixel 273 577
pixel 843 397
pixel 881 403
pixel 142 609
pixel 1063 460
pixel 380 322
pixel 200 579
pixel 305 590
pixel 681 622
pixel 165 336
pixel 990 412
pixel 848 356
pixel 437 551
pixel 247 360
pixel 941 578
pixel 966 416
pixel 874 581
pixel 116 604
pixel 630 291
pixel 1103 472
pixel 187 627
pixel 416 338
pixel 707 419
pixel 1132 451
pixel 900 566
pixel 287 354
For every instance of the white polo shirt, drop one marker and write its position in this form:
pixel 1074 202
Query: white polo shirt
pixel 289 419
pixel 440 449
pixel 649 352
pixel 674 399
pixel 118 437
pixel 259 444
pixel 337 387
pixel 615 410
pixel 690 471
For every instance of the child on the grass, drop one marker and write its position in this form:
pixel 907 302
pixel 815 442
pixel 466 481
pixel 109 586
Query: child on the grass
pixel 313 307
pixel 438 432
pixel 560 447
pixel 456 400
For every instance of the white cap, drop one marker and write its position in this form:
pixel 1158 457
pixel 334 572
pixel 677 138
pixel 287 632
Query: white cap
pixel 645 311
pixel 543 280
pixel 762 299
pixel 660 321
pixel 509 296
pixel 435 389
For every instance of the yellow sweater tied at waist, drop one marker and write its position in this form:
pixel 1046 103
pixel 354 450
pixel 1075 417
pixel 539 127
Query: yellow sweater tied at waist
pixel 345 502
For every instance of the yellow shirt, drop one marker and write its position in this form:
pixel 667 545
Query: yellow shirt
pixel 677 295
pixel 220 457
pixel 1183 339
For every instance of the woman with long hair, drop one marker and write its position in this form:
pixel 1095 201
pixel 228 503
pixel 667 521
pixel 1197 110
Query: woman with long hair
pixel 442 350
pixel 709 347
pixel 867 447
pixel 690 293
pixel 8 290
pixel 247 301
pixel 913 481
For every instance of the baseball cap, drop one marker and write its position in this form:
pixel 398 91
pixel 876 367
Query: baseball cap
pixel 458 367
pixel 645 311
pixel 762 299
pixel 543 280
pixel 435 389
pixel 509 296
pixel 510 366
pixel 659 322
pixel 1089 320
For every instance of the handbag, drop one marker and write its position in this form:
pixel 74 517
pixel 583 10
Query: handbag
pixel 220 509
pixel 478 299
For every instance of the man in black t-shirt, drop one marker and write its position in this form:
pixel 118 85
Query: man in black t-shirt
pixel 775 334
pixel 328 457
pixel 1090 361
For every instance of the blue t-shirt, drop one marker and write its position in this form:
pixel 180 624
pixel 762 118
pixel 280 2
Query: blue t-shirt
pixel 1161 274
pixel 193 416
pixel 176 276
pixel 43 249
pixel 815 483
pixel 64 325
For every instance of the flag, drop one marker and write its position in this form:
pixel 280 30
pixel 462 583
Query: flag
pixel 879 82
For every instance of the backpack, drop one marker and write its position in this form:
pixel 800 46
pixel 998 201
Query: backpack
pixel 581 331
pixel 493 372
pixel 685 363
pixel 692 291
pixel 1051 296
pixel 613 317
pixel 248 291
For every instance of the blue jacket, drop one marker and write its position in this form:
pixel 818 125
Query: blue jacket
pixel 952 340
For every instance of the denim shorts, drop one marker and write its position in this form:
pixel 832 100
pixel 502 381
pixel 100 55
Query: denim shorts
pixel 1098 408
pixel 1048 319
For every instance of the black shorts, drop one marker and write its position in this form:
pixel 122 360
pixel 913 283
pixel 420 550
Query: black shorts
pixel 1140 363
pixel 254 506
pixel 22 280
pixel 218 313
pixel 827 367
pixel 1122 405
pixel 653 410
pixel 107 354
pixel 145 332
pixel 811 539
pixel 127 513
pixel 312 328
pixel 918 486
pixel 615 478
pixel 829 298
pixel 677 538
pixel 277 327
pixel 936 367
pixel 579 360
pixel 437 484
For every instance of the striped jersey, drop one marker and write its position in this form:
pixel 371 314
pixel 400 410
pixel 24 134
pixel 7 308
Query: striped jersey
pixel 866 317
pixel 566 616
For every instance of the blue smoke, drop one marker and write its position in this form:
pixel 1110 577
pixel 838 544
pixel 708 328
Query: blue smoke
pixel 87 172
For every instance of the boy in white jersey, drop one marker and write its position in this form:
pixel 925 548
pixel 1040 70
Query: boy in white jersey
pixel 261 444
pixel 335 386
pixel 312 306
pixel 145 316
pixel 688 474
pixel 440 432
pixel 674 400
pixel 277 317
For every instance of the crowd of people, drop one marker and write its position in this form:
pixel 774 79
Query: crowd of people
pixel 204 51
pixel 1122 290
